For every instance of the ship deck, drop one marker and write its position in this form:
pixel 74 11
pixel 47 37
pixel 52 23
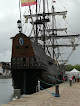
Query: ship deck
pixel 69 96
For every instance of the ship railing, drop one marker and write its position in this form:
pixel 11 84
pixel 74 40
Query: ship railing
pixel 24 65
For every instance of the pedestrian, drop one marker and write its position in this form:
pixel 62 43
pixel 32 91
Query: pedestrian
pixel 63 78
pixel 73 78
pixel 78 78
pixel 70 81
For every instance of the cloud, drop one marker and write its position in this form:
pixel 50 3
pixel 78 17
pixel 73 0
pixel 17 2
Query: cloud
pixel 9 14
pixel 5 56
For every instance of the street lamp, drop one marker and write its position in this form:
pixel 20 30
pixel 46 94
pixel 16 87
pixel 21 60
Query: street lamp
pixel 19 26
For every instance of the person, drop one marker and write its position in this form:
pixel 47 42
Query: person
pixel 70 81
pixel 63 79
pixel 78 78
pixel 73 78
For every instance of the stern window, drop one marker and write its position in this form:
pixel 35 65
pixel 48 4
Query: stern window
pixel 17 47
pixel 24 59
pixel 26 47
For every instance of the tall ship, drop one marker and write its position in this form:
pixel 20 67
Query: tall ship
pixel 36 55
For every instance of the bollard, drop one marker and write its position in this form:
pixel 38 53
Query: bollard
pixel 17 93
pixel 70 82
pixel 38 86
pixel 57 91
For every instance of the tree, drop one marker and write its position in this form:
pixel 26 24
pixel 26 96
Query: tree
pixel 69 67
pixel 77 66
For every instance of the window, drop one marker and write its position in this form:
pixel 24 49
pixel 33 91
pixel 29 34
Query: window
pixel 27 60
pixel 24 59
pixel 21 59
pixel 32 60
pixel 18 59
pixel 17 47
pixel 13 59
pixel 35 59
pixel 26 47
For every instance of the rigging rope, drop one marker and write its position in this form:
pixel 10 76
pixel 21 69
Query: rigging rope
pixel 78 40
pixel 62 5
pixel 68 57
pixel 72 50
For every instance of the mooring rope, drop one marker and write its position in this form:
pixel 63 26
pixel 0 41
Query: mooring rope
pixel 57 79
pixel 50 92
pixel 49 84
pixel 45 90
pixel 45 82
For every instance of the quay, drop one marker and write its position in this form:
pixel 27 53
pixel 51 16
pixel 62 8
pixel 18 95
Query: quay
pixel 69 96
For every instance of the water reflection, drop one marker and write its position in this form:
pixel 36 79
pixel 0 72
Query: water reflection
pixel 6 91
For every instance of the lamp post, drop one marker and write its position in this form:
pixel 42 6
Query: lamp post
pixel 19 25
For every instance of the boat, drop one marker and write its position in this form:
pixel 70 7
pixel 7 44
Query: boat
pixel 33 57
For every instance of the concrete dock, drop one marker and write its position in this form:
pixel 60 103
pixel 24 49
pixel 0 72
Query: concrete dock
pixel 69 96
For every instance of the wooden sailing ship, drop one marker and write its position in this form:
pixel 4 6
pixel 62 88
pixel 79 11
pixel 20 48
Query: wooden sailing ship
pixel 29 61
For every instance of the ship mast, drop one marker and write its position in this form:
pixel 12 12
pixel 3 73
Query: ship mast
pixel 44 24
pixel 41 20
pixel 53 17
pixel 36 26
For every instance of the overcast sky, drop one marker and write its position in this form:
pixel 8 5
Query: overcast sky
pixel 9 14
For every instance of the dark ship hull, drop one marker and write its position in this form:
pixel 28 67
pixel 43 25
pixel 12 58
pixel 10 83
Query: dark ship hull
pixel 29 63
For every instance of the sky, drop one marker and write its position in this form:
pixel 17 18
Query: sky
pixel 9 14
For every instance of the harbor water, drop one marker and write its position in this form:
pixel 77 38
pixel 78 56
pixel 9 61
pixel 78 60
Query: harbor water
pixel 6 91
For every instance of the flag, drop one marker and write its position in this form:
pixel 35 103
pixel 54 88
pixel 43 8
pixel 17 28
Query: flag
pixel 28 2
